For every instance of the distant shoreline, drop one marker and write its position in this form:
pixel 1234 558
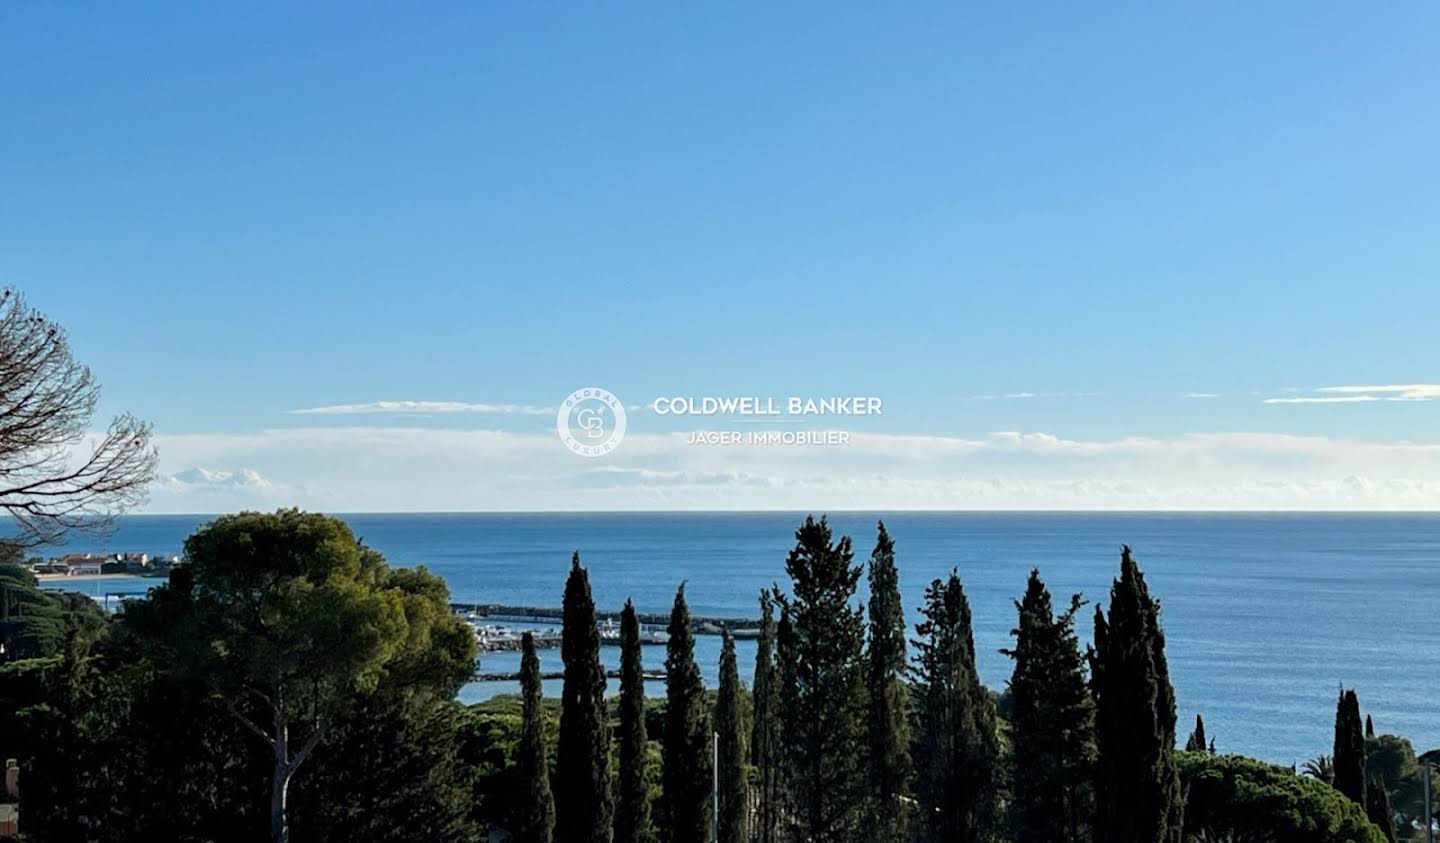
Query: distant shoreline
pixel 54 577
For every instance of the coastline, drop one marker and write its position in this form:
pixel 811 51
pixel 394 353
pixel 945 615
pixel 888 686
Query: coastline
pixel 63 577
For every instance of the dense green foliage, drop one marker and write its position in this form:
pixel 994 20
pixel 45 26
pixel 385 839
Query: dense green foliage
pixel 128 737
pixel 687 770
pixel 1391 764
pixel 582 770
pixel 1349 757
pixel 1378 810
pixel 1137 789
pixel 766 750
pixel 733 825
pixel 148 725
pixel 1229 794
pixel 535 815
pixel 632 805
pixel 1052 720
pixel 958 762
pixel 35 623
pixel 887 716
pixel 1196 742
pixel 823 708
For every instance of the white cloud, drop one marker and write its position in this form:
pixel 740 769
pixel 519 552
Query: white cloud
pixel 1200 395
pixel 423 408
pixel 1359 394
pixel 425 469
pixel 1326 399
pixel 1026 395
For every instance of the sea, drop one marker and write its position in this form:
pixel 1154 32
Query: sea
pixel 1266 615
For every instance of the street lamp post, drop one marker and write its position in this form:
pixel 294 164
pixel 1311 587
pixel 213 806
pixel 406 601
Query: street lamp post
pixel 1426 761
pixel 715 787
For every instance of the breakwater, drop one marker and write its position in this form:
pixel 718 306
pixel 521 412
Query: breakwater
pixel 738 627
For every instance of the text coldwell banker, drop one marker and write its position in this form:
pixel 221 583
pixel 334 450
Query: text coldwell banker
pixel 756 406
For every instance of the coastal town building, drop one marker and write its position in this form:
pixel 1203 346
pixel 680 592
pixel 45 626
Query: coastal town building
pixel 10 801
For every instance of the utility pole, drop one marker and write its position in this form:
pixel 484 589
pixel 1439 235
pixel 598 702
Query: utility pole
pixel 1429 810
pixel 715 787
pixel 1430 820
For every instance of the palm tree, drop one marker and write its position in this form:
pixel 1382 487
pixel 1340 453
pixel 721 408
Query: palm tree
pixel 1321 767
pixel 1209 835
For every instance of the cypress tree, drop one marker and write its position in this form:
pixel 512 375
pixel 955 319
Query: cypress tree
pixel 729 724
pixel 958 741
pixel 686 775
pixel 765 745
pixel 582 768
pixel 1137 786
pixel 1196 742
pixel 536 821
pixel 889 732
pixel 787 681
pixel 1053 723
pixel 1369 727
pixel 1349 757
pixel 632 811
pixel 1377 808
pixel 824 720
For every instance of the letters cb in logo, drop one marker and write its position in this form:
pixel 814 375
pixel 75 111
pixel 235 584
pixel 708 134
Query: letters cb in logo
pixel 591 421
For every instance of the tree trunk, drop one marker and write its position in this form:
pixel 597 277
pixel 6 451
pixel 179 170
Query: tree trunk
pixel 279 787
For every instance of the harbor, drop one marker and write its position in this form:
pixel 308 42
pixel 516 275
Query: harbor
pixel 656 621
pixel 499 638
pixel 557 675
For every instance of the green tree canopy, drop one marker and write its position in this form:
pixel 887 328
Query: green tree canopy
pixel 1253 800
pixel 1349 755
pixel 34 623
pixel 1053 723
pixel 632 808
pixel 1137 790
pixel 294 616
pixel 958 747
pixel 584 810
pixel 687 767
pixel 888 715
pixel 730 730
pixel 766 750
pixel 535 815
pixel 824 714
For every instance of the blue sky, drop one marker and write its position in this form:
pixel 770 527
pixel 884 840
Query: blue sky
pixel 243 212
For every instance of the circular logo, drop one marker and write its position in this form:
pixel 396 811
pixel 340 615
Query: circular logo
pixel 591 421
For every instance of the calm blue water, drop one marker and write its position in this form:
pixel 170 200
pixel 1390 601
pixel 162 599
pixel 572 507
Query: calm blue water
pixel 1266 614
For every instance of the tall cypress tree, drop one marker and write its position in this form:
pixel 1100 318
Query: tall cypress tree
pixel 632 812
pixel 536 818
pixel 582 768
pixel 729 725
pixel 1053 723
pixel 824 721
pixel 787 672
pixel 1369 727
pixel 765 745
pixel 958 745
pixel 1196 742
pixel 889 733
pixel 687 734
pixel 1137 786
pixel 1349 748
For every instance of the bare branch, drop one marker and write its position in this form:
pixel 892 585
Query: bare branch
pixel 49 484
